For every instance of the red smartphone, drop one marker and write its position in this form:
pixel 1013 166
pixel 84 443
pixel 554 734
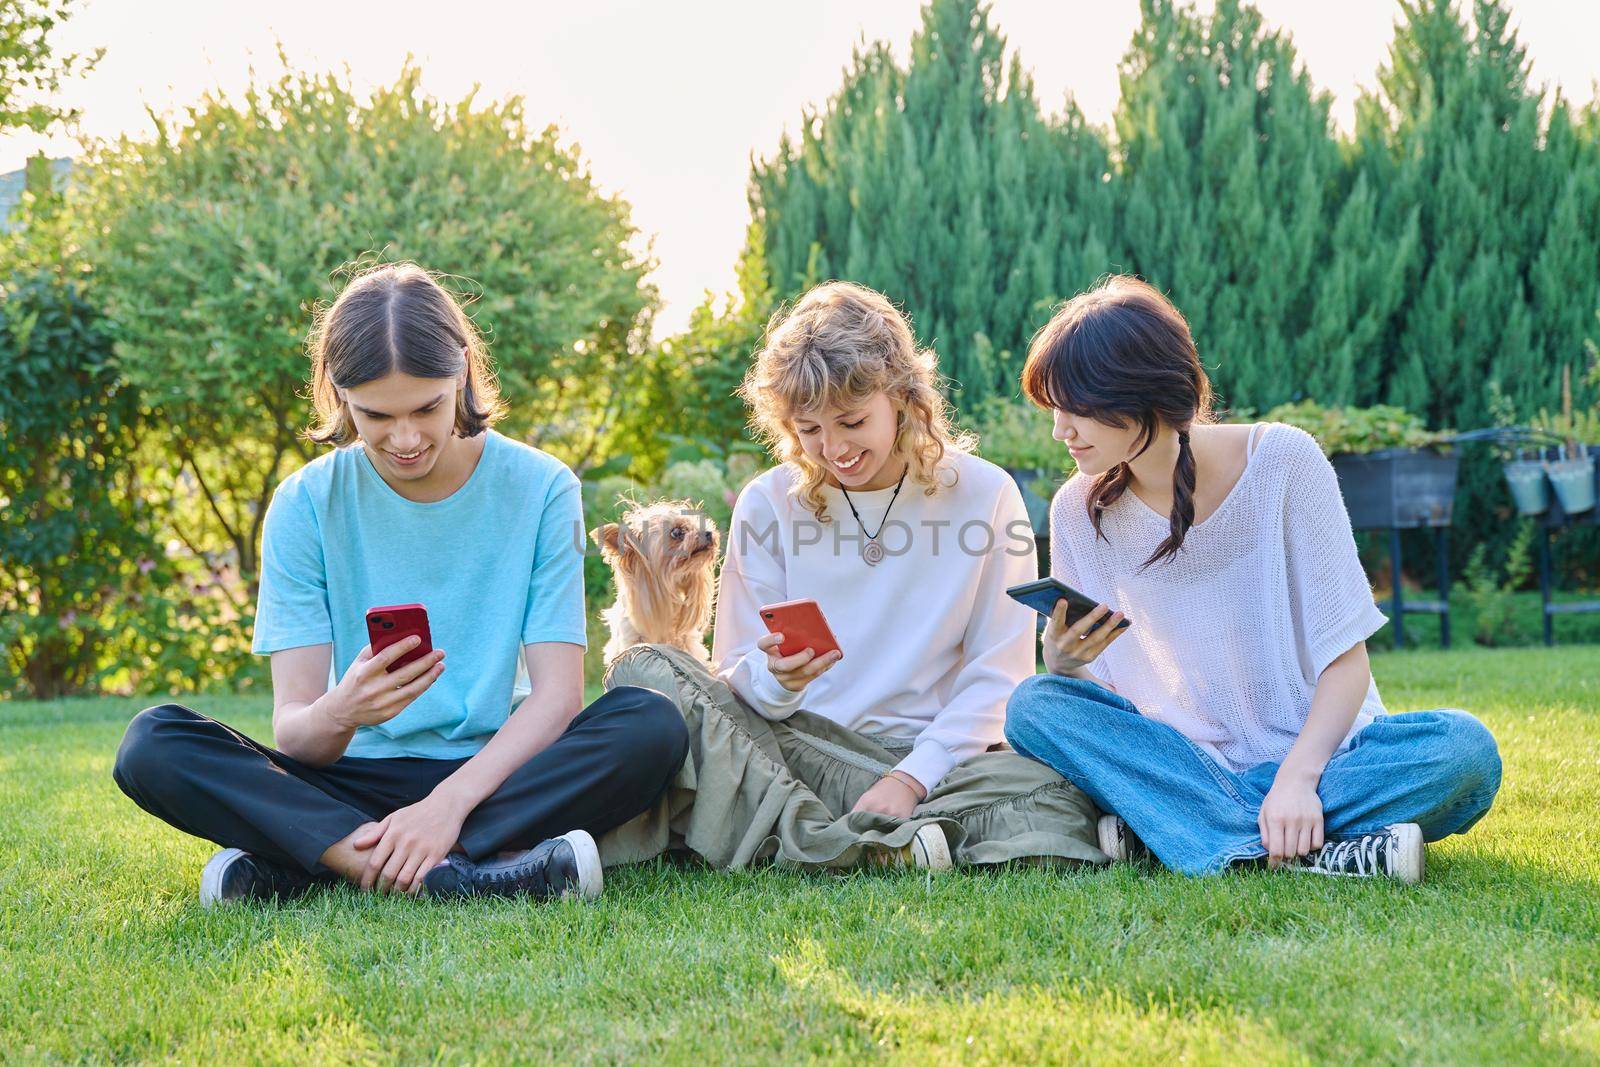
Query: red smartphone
pixel 802 626
pixel 396 622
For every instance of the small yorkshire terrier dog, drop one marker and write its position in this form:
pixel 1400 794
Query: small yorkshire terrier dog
pixel 663 556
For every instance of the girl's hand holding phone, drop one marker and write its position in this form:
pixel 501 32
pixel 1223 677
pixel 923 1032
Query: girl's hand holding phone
pixel 796 671
pixel 369 694
pixel 1070 647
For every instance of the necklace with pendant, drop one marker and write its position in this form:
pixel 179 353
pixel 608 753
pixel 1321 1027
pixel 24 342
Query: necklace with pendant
pixel 872 551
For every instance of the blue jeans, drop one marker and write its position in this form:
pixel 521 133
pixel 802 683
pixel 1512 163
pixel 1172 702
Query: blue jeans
pixel 1439 769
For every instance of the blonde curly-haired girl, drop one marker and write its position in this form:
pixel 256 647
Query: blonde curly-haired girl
pixel 879 511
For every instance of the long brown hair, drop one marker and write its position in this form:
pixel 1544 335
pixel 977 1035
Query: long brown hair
pixel 1121 353
pixel 840 344
pixel 397 317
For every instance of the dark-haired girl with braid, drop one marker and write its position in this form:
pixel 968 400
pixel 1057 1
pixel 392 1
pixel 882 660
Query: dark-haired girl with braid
pixel 1236 720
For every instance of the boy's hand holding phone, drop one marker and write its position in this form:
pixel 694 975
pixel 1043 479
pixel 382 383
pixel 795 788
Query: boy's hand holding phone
pixel 370 694
pixel 1070 646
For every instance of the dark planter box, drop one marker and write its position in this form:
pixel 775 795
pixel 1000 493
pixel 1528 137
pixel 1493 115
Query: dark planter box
pixel 1400 488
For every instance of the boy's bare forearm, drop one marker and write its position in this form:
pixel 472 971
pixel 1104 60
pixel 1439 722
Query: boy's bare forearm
pixel 532 728
pixel 310 732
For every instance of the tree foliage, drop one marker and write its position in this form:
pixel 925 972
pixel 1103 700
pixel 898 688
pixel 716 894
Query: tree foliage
pixel 685 402
pixel 31 67
pixel 77 544
pixel 1452 240
pixel 214 240
pixel 943 185
pixel 1229 177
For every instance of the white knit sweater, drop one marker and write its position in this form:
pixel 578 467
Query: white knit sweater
pixel 932 645
pixel 1230 637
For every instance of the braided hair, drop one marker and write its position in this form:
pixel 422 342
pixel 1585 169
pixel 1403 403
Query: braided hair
pixel 1120 353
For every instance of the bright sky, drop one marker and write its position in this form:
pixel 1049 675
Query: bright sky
pixel 669 100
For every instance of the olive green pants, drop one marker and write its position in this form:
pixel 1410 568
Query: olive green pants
pixel 752 790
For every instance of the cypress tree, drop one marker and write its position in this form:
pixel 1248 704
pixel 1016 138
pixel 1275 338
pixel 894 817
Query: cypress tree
pixel 1504 202
pixel 1564 277
pixel 1462 142
pixel 1230 174
pixel 943 185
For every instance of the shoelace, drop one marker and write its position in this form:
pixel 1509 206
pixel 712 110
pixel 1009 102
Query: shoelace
pixel 279 879
pixel 519 872
pixel 1364 854
pixel 1129 845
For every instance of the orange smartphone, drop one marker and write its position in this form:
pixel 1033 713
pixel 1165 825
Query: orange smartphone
pixel 396 622
pixel 802 626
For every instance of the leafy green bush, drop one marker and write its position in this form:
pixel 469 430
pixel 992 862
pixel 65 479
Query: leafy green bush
pixel 70 533
pixel 684 404
pixel 1492 598
pixel 213 241
pixel 1352 431
pixel 1016 435
pixel 89 599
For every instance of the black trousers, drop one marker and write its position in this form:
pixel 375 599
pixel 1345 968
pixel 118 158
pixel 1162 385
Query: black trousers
pixel 209 780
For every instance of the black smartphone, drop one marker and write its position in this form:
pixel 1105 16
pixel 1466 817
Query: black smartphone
pixel 1043 595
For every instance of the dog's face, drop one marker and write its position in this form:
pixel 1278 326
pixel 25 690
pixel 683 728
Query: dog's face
pixel 673 538
pixel 664 556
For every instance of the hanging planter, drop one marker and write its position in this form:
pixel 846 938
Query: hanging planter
pixel 1574 480
pixel 1529 488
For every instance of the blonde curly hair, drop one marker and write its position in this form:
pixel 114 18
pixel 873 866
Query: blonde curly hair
pixel 839 345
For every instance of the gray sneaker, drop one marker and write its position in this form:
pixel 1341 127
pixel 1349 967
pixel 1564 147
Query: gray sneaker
pixel 1119 842
pixel 565 866
pixel 1393 852
pixel 234 874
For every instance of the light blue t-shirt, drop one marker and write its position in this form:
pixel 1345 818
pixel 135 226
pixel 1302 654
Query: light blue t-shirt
pixel 498 564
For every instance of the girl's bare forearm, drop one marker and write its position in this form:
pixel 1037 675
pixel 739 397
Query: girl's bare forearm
pixel 1334 706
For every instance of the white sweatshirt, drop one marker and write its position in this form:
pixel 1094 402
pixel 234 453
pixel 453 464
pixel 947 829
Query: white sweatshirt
pixel 932 645
pixel 1230 637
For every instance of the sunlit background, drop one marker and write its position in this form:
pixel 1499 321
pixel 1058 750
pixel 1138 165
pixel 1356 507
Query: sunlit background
pixel 1422 276
pixel 668 100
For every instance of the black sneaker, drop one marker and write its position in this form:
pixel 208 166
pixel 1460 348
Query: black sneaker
pixel 1393 852
pixel 234 874
pixel 1119 842
pixel 565 866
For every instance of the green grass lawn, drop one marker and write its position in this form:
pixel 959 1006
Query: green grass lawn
pixel 104 953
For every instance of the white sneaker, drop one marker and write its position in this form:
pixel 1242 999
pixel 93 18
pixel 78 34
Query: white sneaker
pixel 1393 852
pixel 1117 841
pixel 929 850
